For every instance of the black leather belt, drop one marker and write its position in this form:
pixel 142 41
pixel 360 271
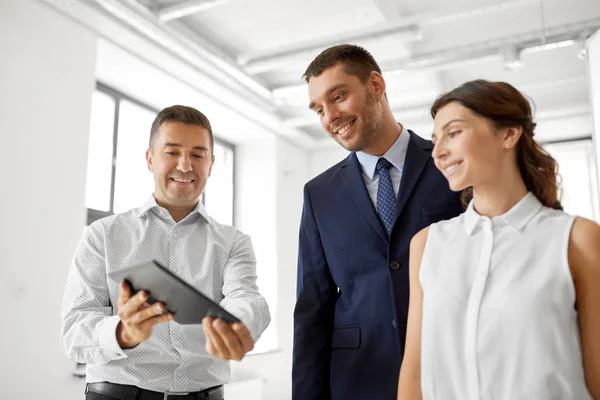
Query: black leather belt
pixel 127 392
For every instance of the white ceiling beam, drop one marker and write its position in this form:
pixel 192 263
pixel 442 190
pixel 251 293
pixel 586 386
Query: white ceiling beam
pixel 390 9
pixel 409 27
pixel 262 62
pixel 563 111
pixel 570 82
pixel 554 37
pixel 186 8
pixel 300 122
pixel 560 36
pixel 190 47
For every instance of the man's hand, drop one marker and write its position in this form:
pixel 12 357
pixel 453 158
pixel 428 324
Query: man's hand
pixel 137 317
pixel 227 341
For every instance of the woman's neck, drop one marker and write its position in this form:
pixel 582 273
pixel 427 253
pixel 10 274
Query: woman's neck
pixel 492 199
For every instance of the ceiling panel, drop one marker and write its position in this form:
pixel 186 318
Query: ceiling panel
pixel 425 47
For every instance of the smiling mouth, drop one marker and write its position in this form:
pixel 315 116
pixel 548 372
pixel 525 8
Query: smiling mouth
pixel 182 180
pixel 451 168
pixel 344 128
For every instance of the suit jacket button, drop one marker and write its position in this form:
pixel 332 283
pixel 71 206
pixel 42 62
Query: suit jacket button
pixel 394 265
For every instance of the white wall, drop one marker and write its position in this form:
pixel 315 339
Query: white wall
pixel 46 83
pixel 255 211
pixel 270 175
pixel 292 174
pixel 593 45
pixel 321 159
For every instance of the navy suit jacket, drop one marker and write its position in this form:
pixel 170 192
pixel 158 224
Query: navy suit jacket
pixel 353 285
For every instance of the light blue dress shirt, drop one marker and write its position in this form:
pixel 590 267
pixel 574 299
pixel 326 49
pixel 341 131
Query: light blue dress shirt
pixel 396 155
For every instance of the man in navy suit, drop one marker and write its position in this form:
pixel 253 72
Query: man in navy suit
pixel 357 222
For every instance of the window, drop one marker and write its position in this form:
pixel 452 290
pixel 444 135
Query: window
pixel 100 153
pixel 219 203
pixel 577 170
pixel 133 182
pixel 117 176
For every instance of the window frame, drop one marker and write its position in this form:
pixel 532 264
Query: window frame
pixel 576 139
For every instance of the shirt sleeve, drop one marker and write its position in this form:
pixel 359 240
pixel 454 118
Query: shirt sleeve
pixel 88 332
pixel 241 296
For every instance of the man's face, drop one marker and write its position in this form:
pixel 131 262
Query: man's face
pixel 181 160
pixel 348 109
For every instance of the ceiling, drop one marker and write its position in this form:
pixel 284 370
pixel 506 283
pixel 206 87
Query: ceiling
pixel 257 50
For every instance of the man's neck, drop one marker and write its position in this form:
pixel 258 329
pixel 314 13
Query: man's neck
pixel 387 134
pixel 177 213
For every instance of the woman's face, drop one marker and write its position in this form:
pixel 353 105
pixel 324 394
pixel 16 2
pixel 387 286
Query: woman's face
pixel 468 150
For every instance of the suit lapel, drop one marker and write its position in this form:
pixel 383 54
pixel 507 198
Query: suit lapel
pixel 417 156
pixel 352 177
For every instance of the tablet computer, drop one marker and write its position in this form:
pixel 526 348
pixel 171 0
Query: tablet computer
pixel 188 305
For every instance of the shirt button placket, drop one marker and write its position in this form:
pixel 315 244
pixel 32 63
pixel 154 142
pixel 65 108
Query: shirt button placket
pixel 474 306
pixel 174 331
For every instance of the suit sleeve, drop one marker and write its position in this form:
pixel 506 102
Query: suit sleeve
pixel 313 314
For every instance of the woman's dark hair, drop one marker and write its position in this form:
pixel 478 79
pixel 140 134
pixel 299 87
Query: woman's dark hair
pixel 506 107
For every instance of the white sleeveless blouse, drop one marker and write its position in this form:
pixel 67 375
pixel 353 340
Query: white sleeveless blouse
pixel 499 317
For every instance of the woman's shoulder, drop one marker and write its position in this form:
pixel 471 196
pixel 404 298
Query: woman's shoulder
pixel 584 251
pixel 436 232
pixel 448 227
pixel 585 234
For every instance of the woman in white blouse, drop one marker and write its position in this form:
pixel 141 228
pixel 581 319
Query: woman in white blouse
pixel 505 298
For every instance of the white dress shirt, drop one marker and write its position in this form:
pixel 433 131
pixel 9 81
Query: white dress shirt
pixel 216 259
pixel 395 155
pixel 499 317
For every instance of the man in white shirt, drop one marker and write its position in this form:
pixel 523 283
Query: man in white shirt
pixel 132 349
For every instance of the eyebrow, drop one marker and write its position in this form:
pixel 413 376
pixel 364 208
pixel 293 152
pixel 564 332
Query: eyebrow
pixel 433 135
pixel 450 122
pixel 201 148
pixel 329 91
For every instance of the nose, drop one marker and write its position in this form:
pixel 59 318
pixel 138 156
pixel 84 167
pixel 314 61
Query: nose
pixel 184 163
pixel 330 114
pixel 440 150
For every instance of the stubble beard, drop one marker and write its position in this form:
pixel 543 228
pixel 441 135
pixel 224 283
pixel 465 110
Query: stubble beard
pixel 371 119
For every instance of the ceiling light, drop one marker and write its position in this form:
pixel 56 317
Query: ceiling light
pixel 511 55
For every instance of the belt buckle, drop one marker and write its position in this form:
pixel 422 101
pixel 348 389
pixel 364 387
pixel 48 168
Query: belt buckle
pixel 174 394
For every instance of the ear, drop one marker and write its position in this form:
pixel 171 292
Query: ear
pixel 212 162
pixel 511 136
pixel 378 84
pixel 149 160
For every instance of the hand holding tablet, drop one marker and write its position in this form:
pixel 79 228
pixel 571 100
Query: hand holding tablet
pixel 188 305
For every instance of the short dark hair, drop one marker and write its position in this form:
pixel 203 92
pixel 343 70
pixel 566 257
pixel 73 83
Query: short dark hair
pixel 357 61
pixel 183 114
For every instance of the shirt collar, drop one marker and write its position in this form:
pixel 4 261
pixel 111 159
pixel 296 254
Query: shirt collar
pixel 395 155
pixel 151 204
pixel 517 217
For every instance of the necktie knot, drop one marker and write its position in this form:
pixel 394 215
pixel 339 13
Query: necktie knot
pixel 382 164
